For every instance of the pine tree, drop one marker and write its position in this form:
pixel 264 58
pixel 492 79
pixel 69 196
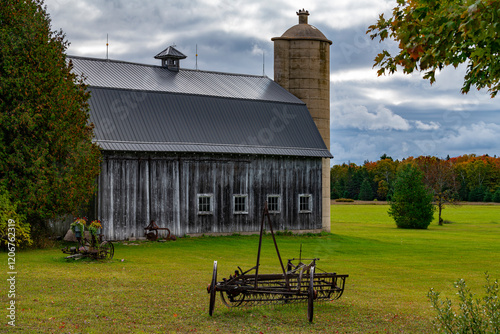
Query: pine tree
pixel 411 203
pixel 366 191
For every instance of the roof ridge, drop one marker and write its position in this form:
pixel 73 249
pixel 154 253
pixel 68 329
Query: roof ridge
pixel 300 102
pixel 159 66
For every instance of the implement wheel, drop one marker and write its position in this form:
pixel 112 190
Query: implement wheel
pixel 106 250
pixel 310 297
pixel 233 299
pixel 212 290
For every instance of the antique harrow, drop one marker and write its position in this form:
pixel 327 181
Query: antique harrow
pixel 300 282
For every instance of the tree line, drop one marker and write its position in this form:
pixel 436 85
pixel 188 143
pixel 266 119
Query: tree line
pixel 465 178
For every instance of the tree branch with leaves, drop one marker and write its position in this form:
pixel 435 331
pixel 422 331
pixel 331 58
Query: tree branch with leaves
pixel 433 34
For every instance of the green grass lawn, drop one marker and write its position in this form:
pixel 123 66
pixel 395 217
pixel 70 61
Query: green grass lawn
pixel 161 287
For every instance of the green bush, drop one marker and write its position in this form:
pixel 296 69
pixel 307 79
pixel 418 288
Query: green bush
pixel 344 200
pixel 20 234
pixel 476 315
pixel 411 203
pixel 488 197
pixel 496 196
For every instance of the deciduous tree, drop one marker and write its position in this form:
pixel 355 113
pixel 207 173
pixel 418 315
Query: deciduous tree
pixel 433 34
pixel 439 177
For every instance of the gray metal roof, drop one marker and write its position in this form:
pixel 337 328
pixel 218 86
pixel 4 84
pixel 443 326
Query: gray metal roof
pixel 137 107
pixel 133 120
pixel 125 75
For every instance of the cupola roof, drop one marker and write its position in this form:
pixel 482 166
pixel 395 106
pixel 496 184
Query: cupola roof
pixel 170 52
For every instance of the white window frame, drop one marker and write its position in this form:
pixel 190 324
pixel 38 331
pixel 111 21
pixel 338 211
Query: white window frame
pixel 279 203
pixel 211 203
pixel 309 203
pixel 244 212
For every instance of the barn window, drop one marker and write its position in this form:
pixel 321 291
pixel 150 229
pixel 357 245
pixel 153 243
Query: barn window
pixel 205 204
pixel 273 203
pixel 240 204
pixel 305 203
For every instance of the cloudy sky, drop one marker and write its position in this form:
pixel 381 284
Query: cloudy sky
pixel 400 115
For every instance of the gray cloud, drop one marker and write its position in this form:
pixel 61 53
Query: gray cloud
pixel 427 126
pixel 400 115
pixel 359 117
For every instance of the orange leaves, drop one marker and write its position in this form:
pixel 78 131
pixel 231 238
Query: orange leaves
pixel 416 52
pixel 435 34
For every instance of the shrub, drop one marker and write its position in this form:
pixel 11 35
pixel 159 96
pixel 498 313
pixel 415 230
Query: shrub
pixel 496 196
pixel 476 315
pixel 411 202
pixel 8 212
pixel 284 232
pixel 344 200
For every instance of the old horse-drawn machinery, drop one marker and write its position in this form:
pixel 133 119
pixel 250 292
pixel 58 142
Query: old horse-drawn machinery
pixel 301 281
pixel 151 232
pixel 90 244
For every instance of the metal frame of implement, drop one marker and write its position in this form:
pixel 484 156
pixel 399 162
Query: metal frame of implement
pixel 94 248
pixel 298 283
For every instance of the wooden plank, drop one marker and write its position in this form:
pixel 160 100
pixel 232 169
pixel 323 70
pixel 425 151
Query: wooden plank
pixel 135 189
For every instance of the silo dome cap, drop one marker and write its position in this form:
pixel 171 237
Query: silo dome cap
pixel 303 30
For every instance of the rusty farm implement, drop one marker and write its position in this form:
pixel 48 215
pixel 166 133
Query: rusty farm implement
pixel 301 281
pixel 90 245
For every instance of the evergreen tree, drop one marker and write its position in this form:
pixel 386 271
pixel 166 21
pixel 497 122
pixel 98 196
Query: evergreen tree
pixel 463 192
pixel 496 196
pixel 411 203
pixel 477 194
pixel 48 162
pixel 366 191
pixel 337 190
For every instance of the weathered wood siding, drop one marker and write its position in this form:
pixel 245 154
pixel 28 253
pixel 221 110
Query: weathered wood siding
pixel 133 190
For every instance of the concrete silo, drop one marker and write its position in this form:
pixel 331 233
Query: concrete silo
pixel 302 66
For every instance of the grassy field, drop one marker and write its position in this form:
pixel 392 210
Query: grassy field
pixel 161 287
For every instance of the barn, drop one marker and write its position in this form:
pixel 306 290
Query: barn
pixel 200 152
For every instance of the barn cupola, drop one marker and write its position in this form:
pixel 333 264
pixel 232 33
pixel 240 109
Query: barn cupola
pixel 170 58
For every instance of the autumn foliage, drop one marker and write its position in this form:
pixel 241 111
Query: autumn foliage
pixel 433 34
pixel 465 178
pixel 48 162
